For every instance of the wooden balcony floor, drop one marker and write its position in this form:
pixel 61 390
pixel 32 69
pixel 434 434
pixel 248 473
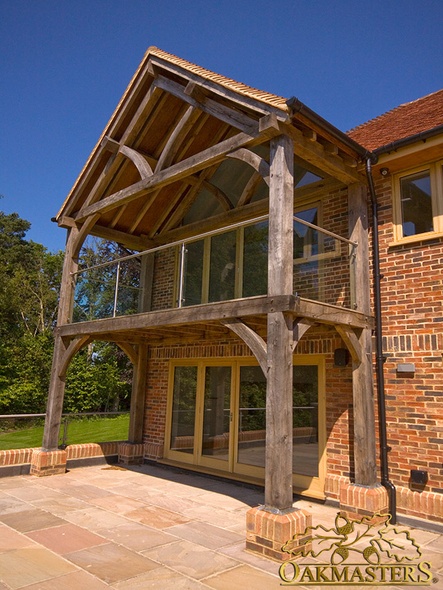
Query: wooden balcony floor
pixel 205 321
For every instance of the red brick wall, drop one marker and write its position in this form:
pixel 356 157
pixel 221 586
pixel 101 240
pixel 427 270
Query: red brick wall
pixel 412 310
pixel 412 303
pixel 316 341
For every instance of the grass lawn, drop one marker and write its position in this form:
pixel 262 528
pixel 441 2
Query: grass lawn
pixel 85 430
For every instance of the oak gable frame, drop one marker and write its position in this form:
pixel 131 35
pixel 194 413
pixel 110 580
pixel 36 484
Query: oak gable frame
pixel 175 123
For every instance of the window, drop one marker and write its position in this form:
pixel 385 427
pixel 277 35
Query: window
pixel 227 266
pixel 418 203
pixel 235 263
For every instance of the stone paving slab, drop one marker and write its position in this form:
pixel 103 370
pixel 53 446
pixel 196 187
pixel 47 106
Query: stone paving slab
pixel 190 559
pixel 244 576
pixel 29 565
pixel 66 538
pixel 137 537
pixel 30 520
pixel 78 580
pixel 111 562
pixel 207 535
pixel 143 527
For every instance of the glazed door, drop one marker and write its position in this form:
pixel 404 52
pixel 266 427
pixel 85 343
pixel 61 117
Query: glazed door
pixel 215 446
pixel 200 415
pixel 217 419
pixel 309 437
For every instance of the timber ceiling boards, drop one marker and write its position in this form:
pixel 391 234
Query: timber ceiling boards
pixel 174 126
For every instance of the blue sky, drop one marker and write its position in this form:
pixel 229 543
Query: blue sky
pixel 64 64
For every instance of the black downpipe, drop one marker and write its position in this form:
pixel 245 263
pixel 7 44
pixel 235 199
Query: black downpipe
pixel 385 482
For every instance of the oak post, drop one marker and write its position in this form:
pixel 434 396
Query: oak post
pixel 362 376
pixel 56 392
pixel 278 472
pixel 136 416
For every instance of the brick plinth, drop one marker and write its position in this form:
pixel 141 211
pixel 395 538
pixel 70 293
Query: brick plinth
pixel 130 453
pixel 267 532
pixel 48 462
pixel 357 501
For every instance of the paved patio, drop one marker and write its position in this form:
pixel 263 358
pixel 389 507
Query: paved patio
pixel 142 527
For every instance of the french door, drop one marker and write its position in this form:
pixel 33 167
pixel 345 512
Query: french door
pixel 217 418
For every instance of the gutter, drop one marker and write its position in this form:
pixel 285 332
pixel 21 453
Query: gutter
pixel 422 136
pixel 381 399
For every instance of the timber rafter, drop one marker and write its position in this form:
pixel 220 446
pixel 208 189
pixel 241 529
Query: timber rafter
pixel 202 101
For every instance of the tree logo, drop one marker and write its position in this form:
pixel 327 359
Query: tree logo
pixel 368 551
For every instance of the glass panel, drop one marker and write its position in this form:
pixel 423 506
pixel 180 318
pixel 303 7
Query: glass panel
pixel 222 267
pixel 216 412
pixel 305 420
pixel 183 409
pixel 305 177
pixel 416 204
pixel 205 205
pixel 231 177
pixel 95 293
pixel 305 238
pixel 128 286
pixel 192 293
pixel 255 260
pixel 252 417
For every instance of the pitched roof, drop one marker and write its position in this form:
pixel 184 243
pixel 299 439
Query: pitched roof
pixel 402 122
pixel 239 87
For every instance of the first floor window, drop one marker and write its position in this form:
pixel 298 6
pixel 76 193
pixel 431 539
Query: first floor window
pixel 418 203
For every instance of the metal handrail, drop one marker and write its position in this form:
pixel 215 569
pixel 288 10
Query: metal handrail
pixel 189 240
pixel 324 231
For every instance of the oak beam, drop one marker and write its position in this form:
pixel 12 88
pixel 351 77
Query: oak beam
pixel 193 314
pixel 138 243
pixel 175 172
pixel 224 113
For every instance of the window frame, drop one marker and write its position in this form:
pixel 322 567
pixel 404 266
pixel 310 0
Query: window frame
pixel 435 170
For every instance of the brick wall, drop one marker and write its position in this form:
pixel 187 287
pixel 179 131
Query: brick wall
pixel 412 303
pixel 412 309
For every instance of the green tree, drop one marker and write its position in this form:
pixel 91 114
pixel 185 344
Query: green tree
pixel 99 377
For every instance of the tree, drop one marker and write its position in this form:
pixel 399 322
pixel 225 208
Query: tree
pixel 99 377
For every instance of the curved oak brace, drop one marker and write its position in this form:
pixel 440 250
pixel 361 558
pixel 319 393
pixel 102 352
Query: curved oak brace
pixel 83 233
pixel 352 342
pixel 259 164
pixel 130 352
pixel 221 197
pixel 74 346
pixel 249 190
pixel 138 160
pixel 177 136
pixel 301 326
pixel 252 339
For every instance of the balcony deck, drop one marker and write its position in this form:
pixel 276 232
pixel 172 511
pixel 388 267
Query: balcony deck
pixel 200 320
